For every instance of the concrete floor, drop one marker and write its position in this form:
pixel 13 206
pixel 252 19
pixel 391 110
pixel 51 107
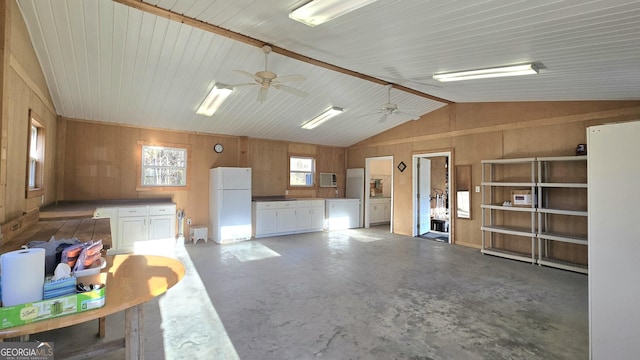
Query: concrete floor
pixel 356 294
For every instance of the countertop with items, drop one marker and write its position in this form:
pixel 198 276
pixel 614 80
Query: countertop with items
pixel 78 209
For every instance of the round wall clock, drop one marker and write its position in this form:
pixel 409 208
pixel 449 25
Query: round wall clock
pixel 218 148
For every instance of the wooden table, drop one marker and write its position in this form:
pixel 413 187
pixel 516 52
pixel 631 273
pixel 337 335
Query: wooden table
pixel 132 280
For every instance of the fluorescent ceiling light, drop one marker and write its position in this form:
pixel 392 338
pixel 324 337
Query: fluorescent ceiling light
pixel 317 12
pixel 526 69
pixel 316 121
pixel 216 97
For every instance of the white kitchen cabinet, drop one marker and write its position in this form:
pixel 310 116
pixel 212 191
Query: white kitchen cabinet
pixel 162 222
pixel 130 230
pixel 303 215
pixel 310 215
pixel 379 210
pixel 161 227
pixel 286 217
pixel 272 218
pixel 265 215
pixel 317 215
pixel 130 224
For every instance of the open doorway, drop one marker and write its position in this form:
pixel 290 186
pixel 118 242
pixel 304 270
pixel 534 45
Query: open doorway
pixel 431 200
pixel 378 199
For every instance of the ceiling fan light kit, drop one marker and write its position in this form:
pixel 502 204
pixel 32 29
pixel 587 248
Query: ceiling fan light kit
pixel 266 79
pixel 326 115
pixel 317 12
pixel 512 70
pixel 216 97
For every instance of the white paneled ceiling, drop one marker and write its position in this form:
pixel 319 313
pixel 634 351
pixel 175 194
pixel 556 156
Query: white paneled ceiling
pixel 107 61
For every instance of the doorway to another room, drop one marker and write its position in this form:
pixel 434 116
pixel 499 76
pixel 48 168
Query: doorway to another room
pixel 431 202
pixel 378 199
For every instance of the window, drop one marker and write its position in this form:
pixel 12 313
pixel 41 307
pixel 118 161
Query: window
pixel 35 157
pixel 301 171
pixel 163 166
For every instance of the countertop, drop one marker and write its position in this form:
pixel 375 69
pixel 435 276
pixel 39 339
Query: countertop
pixel 283 198
pixel 272 198
pixel 86 209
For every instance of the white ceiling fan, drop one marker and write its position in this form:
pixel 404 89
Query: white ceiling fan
pixel 266 79
pixel 391 109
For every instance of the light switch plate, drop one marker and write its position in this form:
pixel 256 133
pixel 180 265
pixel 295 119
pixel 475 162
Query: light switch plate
pixel 477 188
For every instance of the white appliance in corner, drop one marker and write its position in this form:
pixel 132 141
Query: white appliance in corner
pixel 341 214
pixel 229 204
pixel 355 190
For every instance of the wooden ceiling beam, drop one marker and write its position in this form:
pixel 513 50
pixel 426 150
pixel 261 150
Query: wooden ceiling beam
pixel 155 10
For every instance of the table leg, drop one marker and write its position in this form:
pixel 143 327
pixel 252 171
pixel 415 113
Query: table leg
pixel 134 332
pixel 102 327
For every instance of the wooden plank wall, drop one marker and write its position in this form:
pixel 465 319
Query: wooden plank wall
pixel 478 131
pixel 24 89
pixel 102 163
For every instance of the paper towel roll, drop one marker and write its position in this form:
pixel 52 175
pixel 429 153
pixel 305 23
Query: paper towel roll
pixel 22 276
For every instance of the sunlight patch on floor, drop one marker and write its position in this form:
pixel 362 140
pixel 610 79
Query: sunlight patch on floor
pixel 365 237
pixel 249 251
pixel 191 326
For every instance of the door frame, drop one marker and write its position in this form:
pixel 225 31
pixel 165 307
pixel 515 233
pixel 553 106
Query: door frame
pixel 367 175
pixel 450 171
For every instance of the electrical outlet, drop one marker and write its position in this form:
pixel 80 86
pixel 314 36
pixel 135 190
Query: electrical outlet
pixel 189 221
pixel 477 189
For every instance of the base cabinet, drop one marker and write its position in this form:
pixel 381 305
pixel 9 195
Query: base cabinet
pixel 266 222
pixel 160 227
pixel 310 215
pixel 287 217
pixel 131 224
pixel 130 230
pixel 271 218
pixel 379 210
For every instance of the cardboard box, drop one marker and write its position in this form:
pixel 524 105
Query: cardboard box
pixel 65 305
pixel 521 198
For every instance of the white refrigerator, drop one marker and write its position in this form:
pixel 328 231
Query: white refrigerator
pixel 613 175
pixel 229 204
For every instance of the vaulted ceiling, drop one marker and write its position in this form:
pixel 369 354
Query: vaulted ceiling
pixel 151 63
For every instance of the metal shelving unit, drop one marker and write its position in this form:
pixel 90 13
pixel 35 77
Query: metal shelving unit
pixel 490 208
pixel 547 212
pixel 544 210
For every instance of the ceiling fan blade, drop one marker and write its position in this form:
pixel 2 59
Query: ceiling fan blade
pixel 413 116
pixel 245 84
pixel 370 114
pixel 248 74
pixel 384 117
pixel 262 94
pixel 291 90
pixel 289 78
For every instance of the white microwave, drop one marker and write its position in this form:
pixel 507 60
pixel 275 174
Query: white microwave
pixel 328 180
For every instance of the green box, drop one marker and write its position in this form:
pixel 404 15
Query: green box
pixel 65 305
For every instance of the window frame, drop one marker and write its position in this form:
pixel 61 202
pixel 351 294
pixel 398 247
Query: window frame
pixel 35 165
pixel 313 171
pixel 141 187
